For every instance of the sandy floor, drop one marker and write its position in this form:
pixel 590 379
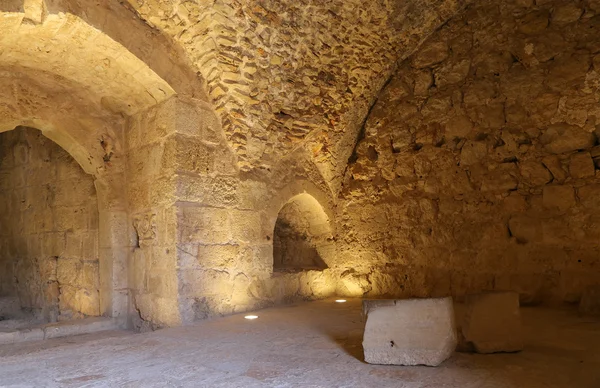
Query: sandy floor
pixel 316 344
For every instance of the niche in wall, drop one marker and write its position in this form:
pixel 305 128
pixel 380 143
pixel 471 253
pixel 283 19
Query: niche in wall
pixel 48 230
pixel 302 239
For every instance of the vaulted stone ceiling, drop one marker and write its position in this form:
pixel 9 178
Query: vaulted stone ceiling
pixel 283 76
pixel 287 74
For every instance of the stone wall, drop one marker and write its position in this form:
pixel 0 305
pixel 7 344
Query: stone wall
pixel 49 228
pixel 226 222
pixel 477 168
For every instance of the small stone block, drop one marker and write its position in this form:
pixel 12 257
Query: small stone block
pixel 492 323
pixel 410 332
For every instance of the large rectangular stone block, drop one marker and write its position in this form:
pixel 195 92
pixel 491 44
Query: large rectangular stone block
pixel 409 332
pixel 492 323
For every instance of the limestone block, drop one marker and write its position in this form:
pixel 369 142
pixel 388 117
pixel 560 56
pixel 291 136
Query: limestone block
pixel 458 126
pixel 68 271
pixel 89 302
pixel 430 54
pixel 35 11
pixel 472 153
pixel 566 13
pixel 558 197
pixel 51 293
pixel 499 180
pixel 589 196
pixel 534 22
pixel 204 225
pixel 373 304
pixel 245 225
pixel 535 173
pixel 90 275
pixel 68 301
pixel 590 301
pixel 452 73
pixel 581 165
pixel 47 268
pixel 492 322
pixel 562 138
pixel 410 332
pixel 423 81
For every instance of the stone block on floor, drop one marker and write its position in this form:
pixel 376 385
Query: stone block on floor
pixel 590 301
pixel 372 304
pixel 492 323
pixel 409 332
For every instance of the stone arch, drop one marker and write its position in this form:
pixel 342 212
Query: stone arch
pixel 50 228
pixel 66 46
pixel 302 237
pixel 318 206
pixel 112 301
pixel 79 87
pixel 121 23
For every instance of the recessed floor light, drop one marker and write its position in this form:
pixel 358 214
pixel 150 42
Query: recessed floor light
pixel 340 300
pixel 251 316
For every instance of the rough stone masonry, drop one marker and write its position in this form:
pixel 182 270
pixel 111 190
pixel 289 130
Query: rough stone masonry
pixel 448 146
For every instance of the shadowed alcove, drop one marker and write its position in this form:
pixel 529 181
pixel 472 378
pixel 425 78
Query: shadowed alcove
pixel 302 236
pixel 49 264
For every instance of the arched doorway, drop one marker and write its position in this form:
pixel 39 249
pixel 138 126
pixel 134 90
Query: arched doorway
pixel 49 261
pixel 302 238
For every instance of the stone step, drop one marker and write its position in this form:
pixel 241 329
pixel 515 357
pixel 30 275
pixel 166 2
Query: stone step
pixel 59 329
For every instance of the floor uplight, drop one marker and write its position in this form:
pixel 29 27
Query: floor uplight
pixel 340 300
pixel 251 316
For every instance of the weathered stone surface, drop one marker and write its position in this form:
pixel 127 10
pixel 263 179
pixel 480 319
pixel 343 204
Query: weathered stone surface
pixel 472 152
pixel 589 196
pixel 441 188
pixel 509 153
pixel 458 126
pixel 372 304
pixel 248 87
pixel 561 138
pixel 12 337
pixel 590 301
pixel 58 202
pixel 559 198
pixel 410 332
pixel 553 163
pixel 534 22
pixel 430 54
pixel 492 322
pixel 300 238
pixel 534 173
pixel 525 229
pixel 581 165
pixel 566 13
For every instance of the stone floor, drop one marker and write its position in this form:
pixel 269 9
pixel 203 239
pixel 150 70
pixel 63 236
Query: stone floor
pixel 315 344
